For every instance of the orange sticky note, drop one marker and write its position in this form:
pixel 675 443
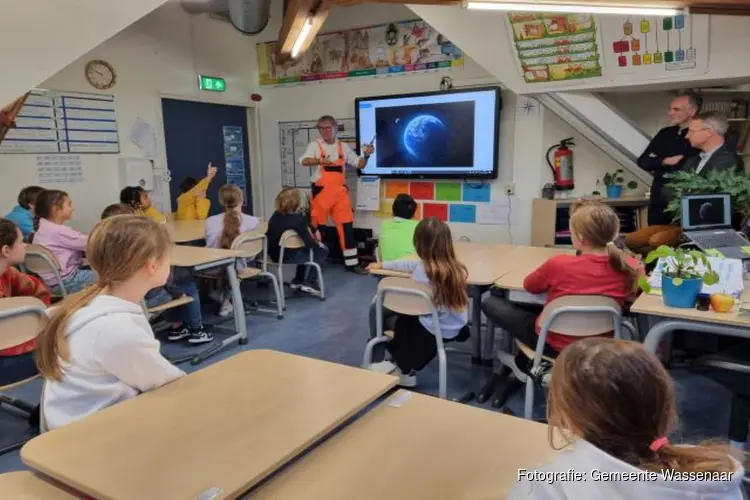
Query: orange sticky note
pixel 395 188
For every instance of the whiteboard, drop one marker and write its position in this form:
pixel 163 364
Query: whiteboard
pixel 64 122
pixel 293 140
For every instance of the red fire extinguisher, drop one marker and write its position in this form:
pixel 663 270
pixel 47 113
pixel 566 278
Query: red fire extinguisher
pixel 562 165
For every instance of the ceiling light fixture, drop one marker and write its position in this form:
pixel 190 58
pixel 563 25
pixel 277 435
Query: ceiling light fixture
pixel 575 9
pixel 302 37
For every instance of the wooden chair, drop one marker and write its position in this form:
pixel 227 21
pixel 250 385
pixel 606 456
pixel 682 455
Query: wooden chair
pixel 250 245
pixel 291 240
pixel 21 318
pixel 40 260
pixel 574 315
pixel 406 296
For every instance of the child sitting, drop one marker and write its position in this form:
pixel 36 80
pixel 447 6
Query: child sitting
pixel 98 348
pixel 138 198
pixel 17 362
pixel 222 229
pixel 413 344
pixel 599 268
pixel 23 213
pixel 187 321
pixel 287 217
pixel 53 209
pixel 613 406
pixel 396 238
pixel 192 204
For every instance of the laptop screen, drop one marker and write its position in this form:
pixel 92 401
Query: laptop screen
pixel 706 211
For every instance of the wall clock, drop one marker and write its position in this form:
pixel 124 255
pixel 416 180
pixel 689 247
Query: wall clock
pixel 100 74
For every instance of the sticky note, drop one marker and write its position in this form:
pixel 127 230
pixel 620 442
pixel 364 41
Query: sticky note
pixel 422 190
pixel 477 192
pixel 395 188
pixel 448 191
pixel 463 213
pixel 386 209
pixel 439 210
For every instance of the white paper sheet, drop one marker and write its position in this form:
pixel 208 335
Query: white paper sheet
pixel 730 273
pixel 368 193
pixel 143 135
pixel 498 212
pixel 59 169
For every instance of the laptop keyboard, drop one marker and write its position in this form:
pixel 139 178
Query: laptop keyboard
pixel 721 240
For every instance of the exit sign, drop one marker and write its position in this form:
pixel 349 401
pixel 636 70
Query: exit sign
pixel 212 83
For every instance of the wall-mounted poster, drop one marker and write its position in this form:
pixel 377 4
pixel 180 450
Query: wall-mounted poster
pixel 651 48
pixel 555 47
pixel 383 50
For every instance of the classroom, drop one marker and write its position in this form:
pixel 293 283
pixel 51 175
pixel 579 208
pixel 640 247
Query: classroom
pixel 332 250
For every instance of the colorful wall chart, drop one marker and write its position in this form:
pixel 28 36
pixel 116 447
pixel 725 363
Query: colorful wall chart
pixel 656 47
pixel 555 47
pixel 470 203
pixel 386 49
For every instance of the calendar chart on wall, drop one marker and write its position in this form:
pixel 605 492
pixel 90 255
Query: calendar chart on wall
pixel 64 122
pixel 293 140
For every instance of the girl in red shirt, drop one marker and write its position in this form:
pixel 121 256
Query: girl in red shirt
pixel 599 268
pixel 17 362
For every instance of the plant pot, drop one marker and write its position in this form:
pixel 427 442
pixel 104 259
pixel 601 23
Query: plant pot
pixel 614 191
pixel 683 295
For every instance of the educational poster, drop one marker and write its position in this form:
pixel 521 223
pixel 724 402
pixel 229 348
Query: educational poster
pixel 293 140
pixel 651 48
pixel 234 159
pixel 555 47
pixel 383 50
pixel 59 169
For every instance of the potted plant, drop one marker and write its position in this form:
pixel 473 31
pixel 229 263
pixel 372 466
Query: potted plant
pixel 613 181
pixel 682 275
pixel 737 184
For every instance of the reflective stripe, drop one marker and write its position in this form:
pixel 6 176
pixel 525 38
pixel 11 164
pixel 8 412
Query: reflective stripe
pixel 351 262
pixel 350 252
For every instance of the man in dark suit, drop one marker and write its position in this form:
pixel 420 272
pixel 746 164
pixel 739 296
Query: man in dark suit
pixel 706 133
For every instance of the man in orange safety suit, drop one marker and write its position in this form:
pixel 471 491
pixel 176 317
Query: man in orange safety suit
pixel 328 157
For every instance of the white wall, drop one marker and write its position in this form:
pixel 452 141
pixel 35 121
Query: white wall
pixel 161 54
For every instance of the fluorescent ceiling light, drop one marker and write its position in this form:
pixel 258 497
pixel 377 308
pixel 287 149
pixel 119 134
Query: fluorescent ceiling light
pixel 303 34
pixel 574 9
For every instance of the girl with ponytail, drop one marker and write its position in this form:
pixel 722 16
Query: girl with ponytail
pixel 599 268
pixel 222 229
pixel 611 406
pixel 98 348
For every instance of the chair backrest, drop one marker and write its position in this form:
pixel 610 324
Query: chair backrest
pixel 21 318
pixel 249 244
pixel 290 239
pixel 406 296
pixel 40 260
pixel 581 315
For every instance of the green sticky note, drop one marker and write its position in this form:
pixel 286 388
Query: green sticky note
pixel 448 191
pixel 746 249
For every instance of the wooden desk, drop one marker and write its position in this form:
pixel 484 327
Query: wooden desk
pixel 427 449
pixel 183 231
pixel 197 257
pixel 27 486
pixel 730 323
pixel 522 261
pixel 226 426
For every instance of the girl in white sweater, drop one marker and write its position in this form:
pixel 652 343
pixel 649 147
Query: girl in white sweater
pixel 98 348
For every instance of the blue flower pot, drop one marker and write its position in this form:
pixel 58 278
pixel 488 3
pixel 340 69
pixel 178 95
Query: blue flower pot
pixel 614 191
pixel 683 295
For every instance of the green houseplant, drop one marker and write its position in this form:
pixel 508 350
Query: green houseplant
pixel 682 276
pixel 737 184
pixel 613 182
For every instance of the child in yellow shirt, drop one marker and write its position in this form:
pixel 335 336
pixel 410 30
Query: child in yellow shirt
pixel 139 200
pixel 192 204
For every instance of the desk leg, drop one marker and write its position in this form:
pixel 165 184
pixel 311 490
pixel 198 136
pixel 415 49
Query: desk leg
pixel 240 322
pixel 476 325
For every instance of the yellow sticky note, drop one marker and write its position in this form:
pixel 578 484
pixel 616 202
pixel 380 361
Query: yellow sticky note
pixel 385 210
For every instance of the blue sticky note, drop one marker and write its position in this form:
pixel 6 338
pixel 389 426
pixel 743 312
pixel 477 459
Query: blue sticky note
pixel 477 192
pixel 463 213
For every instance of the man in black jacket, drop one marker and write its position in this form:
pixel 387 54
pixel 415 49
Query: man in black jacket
pixel 706 133
pixel 667 152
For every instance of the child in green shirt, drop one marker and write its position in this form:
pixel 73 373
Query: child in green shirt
pixel 397 234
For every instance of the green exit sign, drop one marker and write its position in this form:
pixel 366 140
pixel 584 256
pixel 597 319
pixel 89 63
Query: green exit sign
pixel 212 83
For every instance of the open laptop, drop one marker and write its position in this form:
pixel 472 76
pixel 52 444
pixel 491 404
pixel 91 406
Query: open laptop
pixel 707 223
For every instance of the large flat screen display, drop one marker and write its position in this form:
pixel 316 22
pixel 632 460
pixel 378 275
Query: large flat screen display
pixel 451 134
